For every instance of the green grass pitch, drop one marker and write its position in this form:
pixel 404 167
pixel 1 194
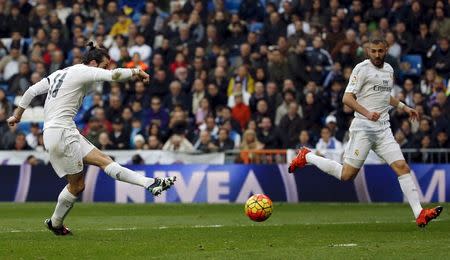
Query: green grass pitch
pixel 175 231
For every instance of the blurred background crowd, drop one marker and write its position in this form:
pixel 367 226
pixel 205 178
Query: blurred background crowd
pixel 227 74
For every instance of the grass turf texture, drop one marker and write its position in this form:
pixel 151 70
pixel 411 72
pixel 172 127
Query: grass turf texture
pixel 306 231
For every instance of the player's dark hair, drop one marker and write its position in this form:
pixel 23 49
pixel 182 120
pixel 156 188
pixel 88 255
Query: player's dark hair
pixel 377 40
pixel 94 53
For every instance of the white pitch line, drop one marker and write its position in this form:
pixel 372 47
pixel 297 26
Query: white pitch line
pixel 220 226
pixel 120 229
pixel 344 245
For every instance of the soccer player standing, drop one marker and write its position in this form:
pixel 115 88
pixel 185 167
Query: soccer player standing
pixel 369 94
pixel 67 148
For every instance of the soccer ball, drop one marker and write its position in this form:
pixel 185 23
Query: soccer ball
pixel 258 207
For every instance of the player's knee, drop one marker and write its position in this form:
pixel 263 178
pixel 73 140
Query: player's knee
pixel 401 167
pixel 347 177
pixel 77 187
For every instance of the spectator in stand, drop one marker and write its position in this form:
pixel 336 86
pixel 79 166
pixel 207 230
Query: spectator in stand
pixel 282 110
pixel 210 126
pixel 268 134
pixel 144 51
pixel 92 130
pixel 204 143
pixel 121 26
pixel 33 136
pixel 119 137
pixel 291 125
pixel 157 114
pixel 9 64
pixel 319 60
pixel 303 140
pixel 250 141
pixel 159 84
pixel 278 67
pixel 258 95
pixel 114 110
pixel 440 59
pixel 215 97
pixel 438 121
pixel 240 112
pixel 243 82
pixel 178 143
pixel 140 95
pixel 327 142
pixel 105 142
pixel 203 110
pixel 176 97
pixel 312 113
pixel 20 81
pixel 223 141
pixel 262 110
pixel 137 62
pixel 154 143
pixel 297 62
pixel 198 93
pixel 139 142
pixel 20 143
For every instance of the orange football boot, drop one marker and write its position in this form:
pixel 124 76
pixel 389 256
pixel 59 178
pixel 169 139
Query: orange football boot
pixel 299 161
pixel 426 215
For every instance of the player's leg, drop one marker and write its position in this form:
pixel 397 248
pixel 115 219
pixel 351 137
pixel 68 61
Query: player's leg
pixel 95 157
pixel 387 148
pixel 66 199
pixel 345 172
pixel 65 157
pixel 115 170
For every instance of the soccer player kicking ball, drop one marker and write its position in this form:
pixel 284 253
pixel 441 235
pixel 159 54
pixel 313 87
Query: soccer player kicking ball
pixel 67 148
pixel 369 94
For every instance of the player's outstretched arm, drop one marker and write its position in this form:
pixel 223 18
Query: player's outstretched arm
pixel 413 114
pixel 93 74
pixel 350 100
pixel 39 88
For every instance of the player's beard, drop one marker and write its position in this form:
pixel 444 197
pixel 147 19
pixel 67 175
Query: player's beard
pixel 378 62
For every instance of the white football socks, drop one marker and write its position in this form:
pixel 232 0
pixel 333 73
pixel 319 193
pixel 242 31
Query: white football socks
pixel 326 165
pixel 116 171
pixel 410 191
pixel 63 206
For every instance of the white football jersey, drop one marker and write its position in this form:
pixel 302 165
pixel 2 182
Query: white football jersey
pixel 66 89
pixel 372 87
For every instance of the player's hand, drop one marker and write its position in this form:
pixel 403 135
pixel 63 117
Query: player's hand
pixel 413 114
pixel 373 116
pixel 144 76
pixel 12 120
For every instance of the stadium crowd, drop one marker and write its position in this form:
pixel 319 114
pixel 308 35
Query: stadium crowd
pixel 246 74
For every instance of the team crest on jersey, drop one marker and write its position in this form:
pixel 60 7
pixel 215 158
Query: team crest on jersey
pixel 353 81
pixel 357 152
pixel 80 164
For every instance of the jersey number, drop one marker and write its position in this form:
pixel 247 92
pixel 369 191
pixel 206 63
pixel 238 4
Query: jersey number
pixel 57 82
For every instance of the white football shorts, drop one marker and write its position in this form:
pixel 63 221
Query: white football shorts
pixel 66 148
pixel 381 142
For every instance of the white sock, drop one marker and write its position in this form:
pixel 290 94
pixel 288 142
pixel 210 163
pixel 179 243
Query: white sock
pixel 116 171
pixel 64 205
pixel 326 165
pixel 410 191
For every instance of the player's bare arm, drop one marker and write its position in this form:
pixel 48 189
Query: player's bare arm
pixel 413 114
pixel 17 115
pixel 349 99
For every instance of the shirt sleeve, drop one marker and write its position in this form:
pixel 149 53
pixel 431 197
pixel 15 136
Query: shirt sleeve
pixel 39 88
pixel 356 81
pixel 93 74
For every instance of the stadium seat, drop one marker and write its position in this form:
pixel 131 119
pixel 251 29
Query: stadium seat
pixel 411 65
